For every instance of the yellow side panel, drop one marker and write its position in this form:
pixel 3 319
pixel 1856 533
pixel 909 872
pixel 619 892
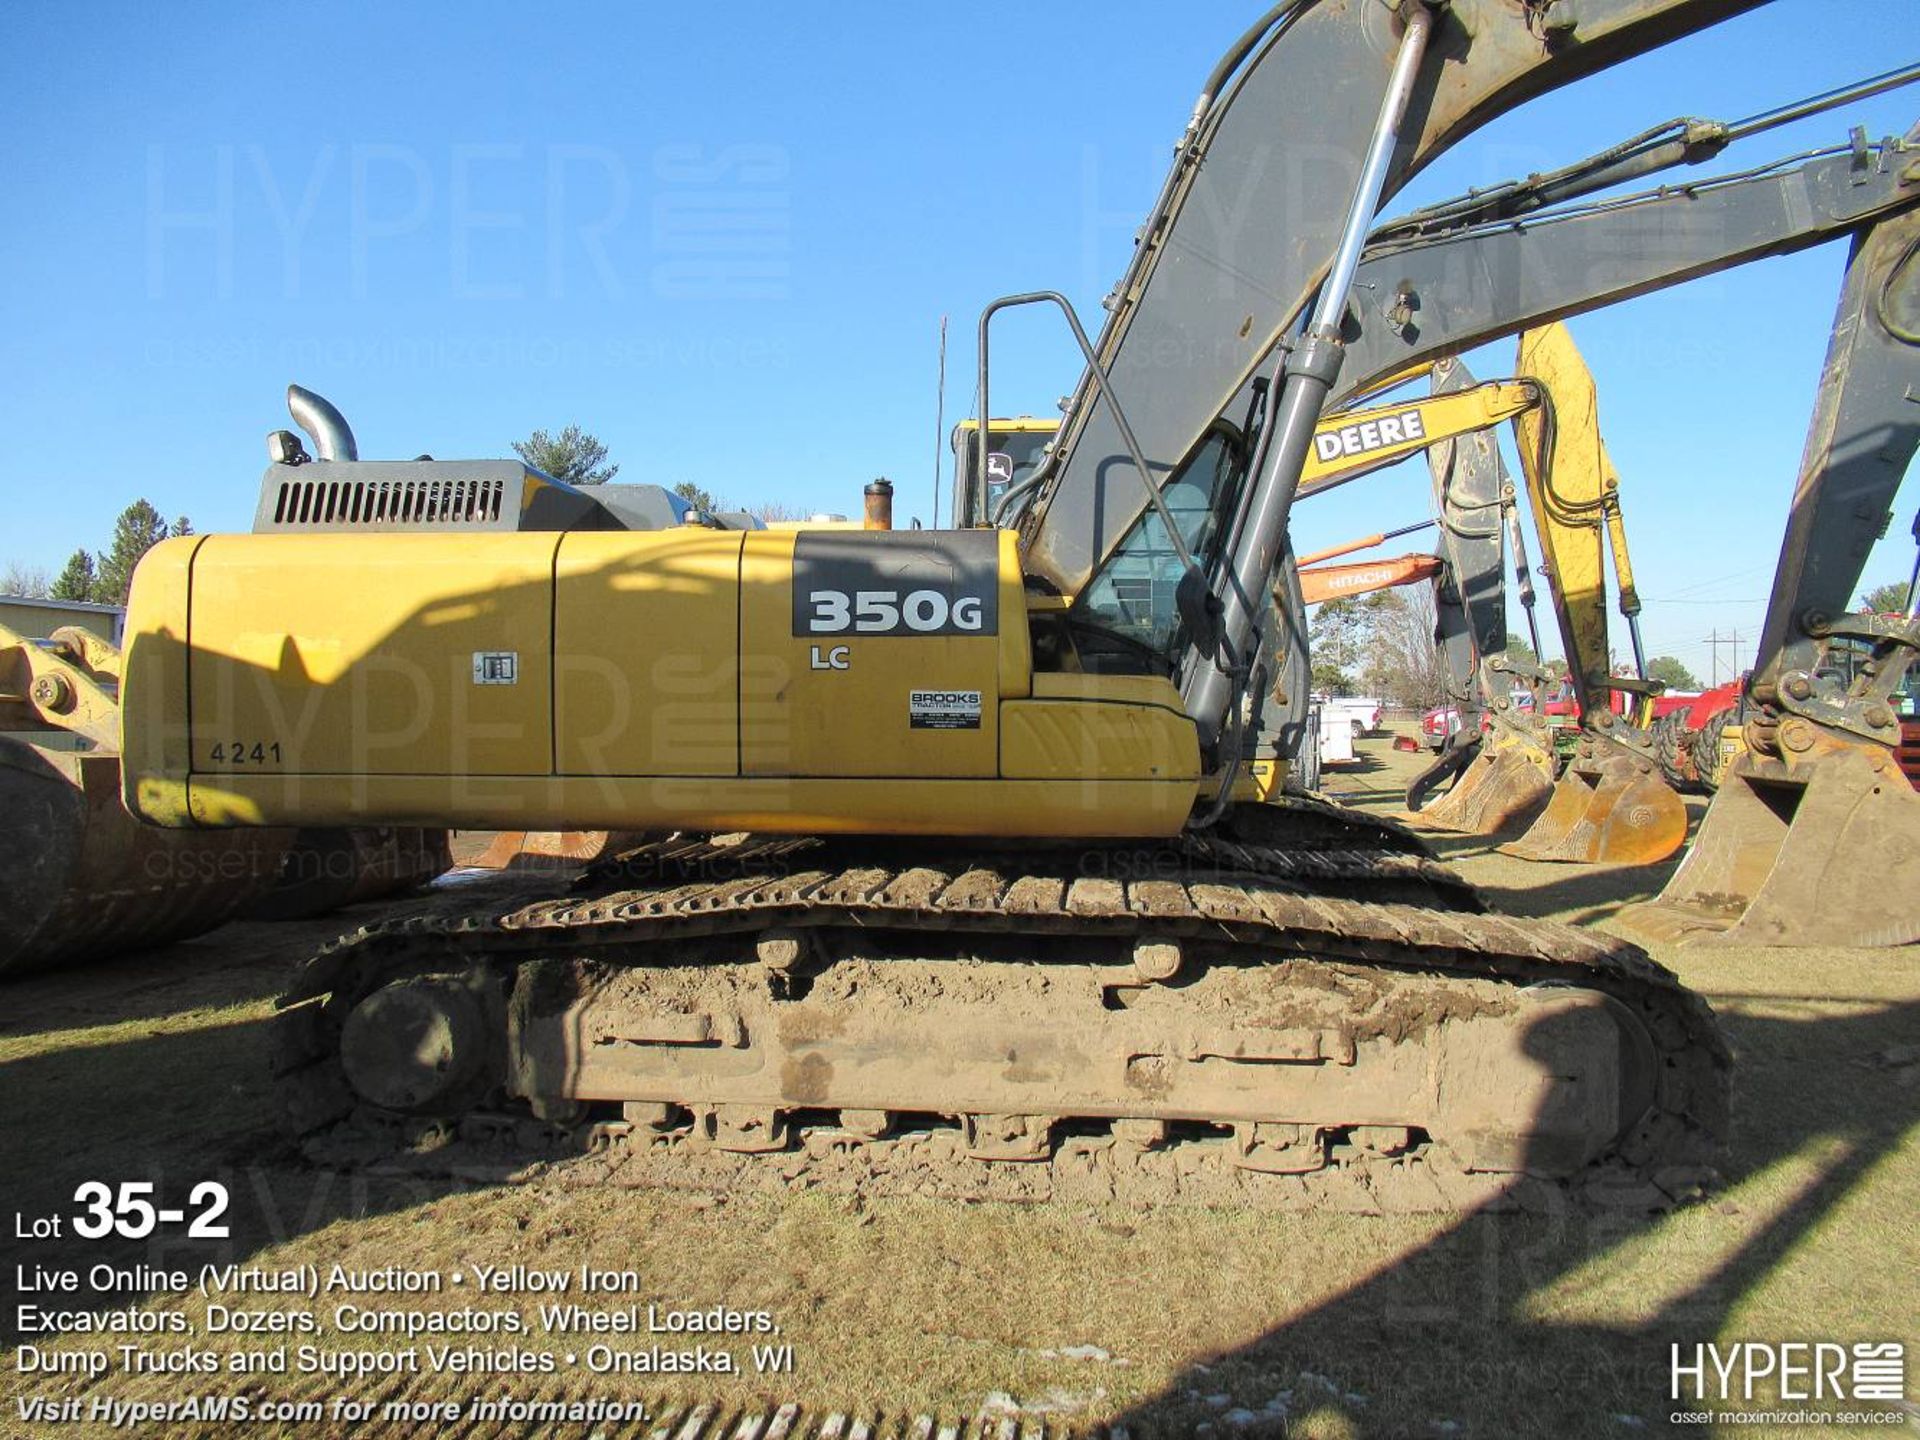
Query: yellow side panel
pixel 646 627
pixel 1113 689
pixel 1077 807
pixel 373 654
pixel 840 703
pixel 1099 728
pixel 153 685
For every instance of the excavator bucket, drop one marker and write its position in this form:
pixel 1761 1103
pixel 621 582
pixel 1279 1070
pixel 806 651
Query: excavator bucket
pixel 83 879
pixel 330 867
pixel 1611 811
pixel 1505 786
pixel 1827 857
pixel 539 849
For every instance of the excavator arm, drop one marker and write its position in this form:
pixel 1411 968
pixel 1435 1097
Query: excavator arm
pixel 1505 776
pixel 1612 805
pixel 1813 837
pixel 1446 294
pixel 1418 301
pixel 1239 240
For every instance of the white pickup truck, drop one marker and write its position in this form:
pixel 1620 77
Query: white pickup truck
pixel 1357 714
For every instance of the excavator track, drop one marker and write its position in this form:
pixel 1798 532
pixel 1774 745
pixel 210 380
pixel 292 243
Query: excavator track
pixel 686 1030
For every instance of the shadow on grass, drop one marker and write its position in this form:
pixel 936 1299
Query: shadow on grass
pixel 1460 1337
pixel 174 1108
pixel 153 1091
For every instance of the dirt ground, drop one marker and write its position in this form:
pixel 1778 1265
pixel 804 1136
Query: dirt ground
pixel 1176 1322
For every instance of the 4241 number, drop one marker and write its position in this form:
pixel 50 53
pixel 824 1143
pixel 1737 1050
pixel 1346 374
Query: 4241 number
pixel 241 753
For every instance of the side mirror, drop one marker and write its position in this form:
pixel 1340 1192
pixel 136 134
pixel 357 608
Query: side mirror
pixel 1201 611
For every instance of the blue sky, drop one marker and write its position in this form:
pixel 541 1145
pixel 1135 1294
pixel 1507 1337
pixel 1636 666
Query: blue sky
pixel 725 242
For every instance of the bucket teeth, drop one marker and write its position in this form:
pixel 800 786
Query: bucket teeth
pixel 1824 853
pixel 1614 811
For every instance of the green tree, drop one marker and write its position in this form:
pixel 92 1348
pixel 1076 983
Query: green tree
pixel 182 526
pixel 1338 633
pixel 1887 599
pixel 573 456
pixel 1669 669
pixel 1519 649
pixel 1386 640
pixel 1331 679
pixel 77 581
pixel 137 531
pixel 696 497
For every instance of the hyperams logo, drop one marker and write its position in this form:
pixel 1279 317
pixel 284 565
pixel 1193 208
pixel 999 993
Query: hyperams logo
pixel 1795 1369
pixel 886 582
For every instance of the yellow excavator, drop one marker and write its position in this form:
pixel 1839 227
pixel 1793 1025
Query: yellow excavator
pixel 1612 804
pixel 957 894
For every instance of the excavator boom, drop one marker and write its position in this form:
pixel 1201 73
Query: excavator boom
pixel 1209 293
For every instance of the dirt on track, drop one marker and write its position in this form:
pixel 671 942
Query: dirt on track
pixel 1164 1320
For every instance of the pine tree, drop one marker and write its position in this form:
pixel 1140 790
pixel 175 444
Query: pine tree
pixel 695 496
pixel 77 581
pixel 137 531
pixel 1887 599
pixel 573 456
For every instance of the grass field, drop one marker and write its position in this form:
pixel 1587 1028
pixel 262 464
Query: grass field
pixel 1173 1321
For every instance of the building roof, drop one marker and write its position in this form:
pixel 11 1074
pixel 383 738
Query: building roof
pixel 41 602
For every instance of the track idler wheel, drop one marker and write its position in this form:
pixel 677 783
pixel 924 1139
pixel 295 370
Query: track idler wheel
pixel 1617 810
pixel 426 1046
pixel 1822 851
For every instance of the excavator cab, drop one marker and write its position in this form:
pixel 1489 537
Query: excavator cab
pixel 1016 448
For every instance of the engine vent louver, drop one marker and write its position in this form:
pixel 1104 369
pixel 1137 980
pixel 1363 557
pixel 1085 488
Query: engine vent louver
pixel 373 503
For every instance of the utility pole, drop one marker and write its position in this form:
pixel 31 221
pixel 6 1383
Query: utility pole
pixel 940 426
pixel 1716 640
